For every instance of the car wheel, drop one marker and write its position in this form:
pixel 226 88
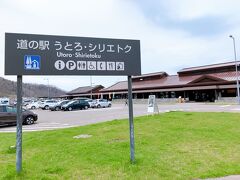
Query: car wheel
pixel 46 107
pixel 86 107
pixel 33 107
pixel 109 105
pixel 98 106
pixel 29 120
pixel 57 108
pixel 70 109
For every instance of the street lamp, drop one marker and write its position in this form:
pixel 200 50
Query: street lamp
pixel 235 55
pixel 91 85
pixel 48 87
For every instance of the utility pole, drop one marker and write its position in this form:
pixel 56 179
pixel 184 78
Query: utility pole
pixel 236 67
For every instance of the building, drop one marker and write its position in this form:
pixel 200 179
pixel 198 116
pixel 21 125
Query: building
pixel 86 91
pixel 202 83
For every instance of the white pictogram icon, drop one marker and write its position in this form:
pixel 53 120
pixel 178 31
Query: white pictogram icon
pixel 120 66
pixel 81 65
pixel 59 65
pixel 111 66
pixel 71 65
pixel 32 62
pixel 91 65
pixel 101 65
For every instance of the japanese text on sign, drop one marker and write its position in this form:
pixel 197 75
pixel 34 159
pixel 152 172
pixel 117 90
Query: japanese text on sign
pixel 76 46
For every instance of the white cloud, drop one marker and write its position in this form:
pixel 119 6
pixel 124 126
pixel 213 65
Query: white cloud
pixel 194 9
pixel 162 48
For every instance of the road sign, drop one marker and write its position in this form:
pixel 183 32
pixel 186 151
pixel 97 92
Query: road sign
pixel 29 54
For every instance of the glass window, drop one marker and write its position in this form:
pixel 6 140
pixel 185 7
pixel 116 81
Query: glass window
pixel 5 102
pixel 11 109
pixel 76 102
pixel 2 109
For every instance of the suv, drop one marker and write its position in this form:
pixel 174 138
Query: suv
pixel 76 104
pixel 97 103
pixel 47 103
pixel 8 116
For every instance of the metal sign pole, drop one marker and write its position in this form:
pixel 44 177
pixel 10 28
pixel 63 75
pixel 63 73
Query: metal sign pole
pixel 19 125
pixel 131 126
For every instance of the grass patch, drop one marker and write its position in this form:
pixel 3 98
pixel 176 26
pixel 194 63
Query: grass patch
pixel 174 145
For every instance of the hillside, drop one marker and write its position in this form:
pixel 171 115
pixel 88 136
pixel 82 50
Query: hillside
pixel 8 89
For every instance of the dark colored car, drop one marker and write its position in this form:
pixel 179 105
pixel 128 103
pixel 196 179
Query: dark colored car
pixel 76 104
pixel 59 105
pixel 8 116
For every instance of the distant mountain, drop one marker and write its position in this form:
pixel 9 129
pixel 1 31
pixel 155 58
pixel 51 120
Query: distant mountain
pixel 8 89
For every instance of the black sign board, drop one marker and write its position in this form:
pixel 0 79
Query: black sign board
pixel 29 54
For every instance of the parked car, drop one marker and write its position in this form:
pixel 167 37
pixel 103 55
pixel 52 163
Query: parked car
pixel 8 116
pixel 47 103
pixel 90 102
pixel 58 106
pixel 97 103
pixel 33 105
pixel 4 101
pixel 76 104
pixel 25 102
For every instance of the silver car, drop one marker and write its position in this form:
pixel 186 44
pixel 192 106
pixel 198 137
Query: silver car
pixel 98 103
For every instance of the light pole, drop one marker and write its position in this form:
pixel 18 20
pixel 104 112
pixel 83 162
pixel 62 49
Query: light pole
pixel 236 67
pixel 91 85
pixel 48 87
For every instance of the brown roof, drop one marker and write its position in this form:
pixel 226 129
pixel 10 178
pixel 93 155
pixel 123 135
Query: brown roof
pixel 176 81
pixel 150 75
pixel 211 66
pixel 121 85
pixel 85 89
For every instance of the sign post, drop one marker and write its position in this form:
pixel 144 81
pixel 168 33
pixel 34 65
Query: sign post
pixel 19 125
pixel 31 54
pixel 131 125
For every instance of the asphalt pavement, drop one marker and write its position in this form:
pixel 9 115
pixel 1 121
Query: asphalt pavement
pixel 49 120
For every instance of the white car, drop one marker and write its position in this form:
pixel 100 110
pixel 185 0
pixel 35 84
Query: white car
pixel 47 103
pixel 91 102
pixel 33 105
pixel 97 103
pixel 4 101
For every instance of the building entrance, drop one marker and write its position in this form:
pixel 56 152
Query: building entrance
pixel 202 96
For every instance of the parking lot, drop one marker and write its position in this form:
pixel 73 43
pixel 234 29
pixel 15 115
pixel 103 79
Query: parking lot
pixel 49 120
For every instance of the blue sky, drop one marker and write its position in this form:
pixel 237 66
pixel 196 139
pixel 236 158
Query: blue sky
pixel 174 34
pixel 204 26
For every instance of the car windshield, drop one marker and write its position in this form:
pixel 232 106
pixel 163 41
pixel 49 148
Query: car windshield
pixel 70 103
pixel 65 102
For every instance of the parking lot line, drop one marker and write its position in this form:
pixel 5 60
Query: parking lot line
pixel 225 106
